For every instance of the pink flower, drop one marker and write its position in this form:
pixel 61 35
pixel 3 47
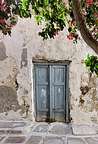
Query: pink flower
pixel 70 36
pixel 89 2
pixel 2 21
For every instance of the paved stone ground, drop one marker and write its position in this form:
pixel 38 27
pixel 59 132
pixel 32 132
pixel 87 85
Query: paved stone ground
pixel 24 132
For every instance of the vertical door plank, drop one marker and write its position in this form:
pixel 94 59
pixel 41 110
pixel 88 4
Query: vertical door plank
pixel 58 92
pixel 42 93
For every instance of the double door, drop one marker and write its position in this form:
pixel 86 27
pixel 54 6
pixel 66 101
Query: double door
pixel 50 92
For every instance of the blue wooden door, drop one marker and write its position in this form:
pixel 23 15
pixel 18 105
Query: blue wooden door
pixel 50 90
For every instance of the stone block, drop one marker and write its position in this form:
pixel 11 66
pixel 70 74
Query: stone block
pixel 53 140
pixel 15 132
pixel 75 141
pixel 92 140
pixel 18 139
pixel 34 140
pixel 11 124
pixel 60 129
pixel 83 129
pixel 1 138
pixel 41 127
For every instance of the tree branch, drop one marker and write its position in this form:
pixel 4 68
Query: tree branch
pixel 85 33
pixel 88 38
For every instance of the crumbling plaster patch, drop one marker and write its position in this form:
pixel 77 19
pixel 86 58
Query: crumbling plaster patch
pixel 8 94
pixel 8 72
pixel 88 93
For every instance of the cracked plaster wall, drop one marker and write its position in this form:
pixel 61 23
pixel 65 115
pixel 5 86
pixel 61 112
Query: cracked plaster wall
pixel 16 72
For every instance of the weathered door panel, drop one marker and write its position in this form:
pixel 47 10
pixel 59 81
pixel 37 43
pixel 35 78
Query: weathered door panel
pixel 42 93
pixel 57 97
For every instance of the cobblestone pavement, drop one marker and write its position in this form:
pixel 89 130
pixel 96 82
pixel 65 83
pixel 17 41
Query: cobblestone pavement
pixel 23 132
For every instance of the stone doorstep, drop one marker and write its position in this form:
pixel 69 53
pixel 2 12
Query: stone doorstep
pixel 53 128
pixel 63 129
pixel 60 129
pixel 83 129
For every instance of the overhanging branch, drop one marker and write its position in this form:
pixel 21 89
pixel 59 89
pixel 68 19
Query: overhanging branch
pixel 88 38
pixel 85 33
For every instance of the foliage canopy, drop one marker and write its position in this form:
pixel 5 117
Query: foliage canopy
pixel 56 14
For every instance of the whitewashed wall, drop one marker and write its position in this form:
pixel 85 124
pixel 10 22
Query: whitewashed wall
pixel 16 72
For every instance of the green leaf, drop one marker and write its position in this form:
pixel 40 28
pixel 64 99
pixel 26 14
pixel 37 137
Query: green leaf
pixel 91 63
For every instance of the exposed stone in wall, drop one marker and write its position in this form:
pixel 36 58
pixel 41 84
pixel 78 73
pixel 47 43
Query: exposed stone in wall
pixel 88 101
pixel 88 92
pixel 84 89
pixel 8 72
pixel 24 92
pixel 2 51
pixel 8 85
pixel 25 107
pixel 8 99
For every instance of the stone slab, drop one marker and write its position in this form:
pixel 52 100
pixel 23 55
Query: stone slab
pixel 34 140
pixel 43 127
pixel 53 140
pixel 18 139
pixel 83 129
pixel 75 141
pixel 6 132
pixel 1 138
pixel 12 124
pixel 95 127
pixel 60 129
pixel 92 140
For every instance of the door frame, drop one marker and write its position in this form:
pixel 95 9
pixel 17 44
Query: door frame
pixel 67 96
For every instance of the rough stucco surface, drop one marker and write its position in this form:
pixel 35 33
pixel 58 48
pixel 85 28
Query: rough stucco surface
pixel 16 71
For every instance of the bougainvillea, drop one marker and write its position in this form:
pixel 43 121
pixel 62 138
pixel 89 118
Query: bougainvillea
pixel 7 17
pixel 89 2
pixel 90 13
pixel 56 14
